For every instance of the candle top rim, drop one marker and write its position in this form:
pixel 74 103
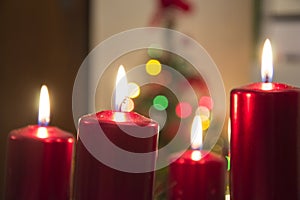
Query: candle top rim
pixel 129 118
pixel 31 131
pixel 208 156
pixel 275 87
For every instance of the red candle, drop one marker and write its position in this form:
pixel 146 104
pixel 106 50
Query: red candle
pixel 197 174
pixel 39 159
pixel 116 153
pixel 265 141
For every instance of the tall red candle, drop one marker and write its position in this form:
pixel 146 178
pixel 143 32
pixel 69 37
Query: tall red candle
pixel 39 162
pixel 103 170
pixel 197 174
pixel 265 141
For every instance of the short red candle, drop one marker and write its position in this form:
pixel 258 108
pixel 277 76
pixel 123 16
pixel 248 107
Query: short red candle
pixel 95 180
pixel 39 166
pixel 202 179
pixel 197 174
pixel 116 152
pixel 265 141
pixel 39 160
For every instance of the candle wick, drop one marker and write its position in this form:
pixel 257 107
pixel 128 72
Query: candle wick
pixel 267 79
pixel 43 122
pixel 126 105
pixel 197 149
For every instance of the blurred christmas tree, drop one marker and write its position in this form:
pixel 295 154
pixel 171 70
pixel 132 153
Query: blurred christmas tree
pixel 158 101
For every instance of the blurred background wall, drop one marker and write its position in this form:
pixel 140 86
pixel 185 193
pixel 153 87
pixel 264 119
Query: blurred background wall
pixel 41 42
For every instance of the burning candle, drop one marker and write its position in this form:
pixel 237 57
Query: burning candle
pixel 39 159
pixel 197 174
pixel 116 151
pixel 265 138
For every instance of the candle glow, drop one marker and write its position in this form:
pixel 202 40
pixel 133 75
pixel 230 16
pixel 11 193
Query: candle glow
pixel 42 132
pixel 196 155
pixel 44 107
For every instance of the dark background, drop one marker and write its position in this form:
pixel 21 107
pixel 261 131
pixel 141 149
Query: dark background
pixel 41 42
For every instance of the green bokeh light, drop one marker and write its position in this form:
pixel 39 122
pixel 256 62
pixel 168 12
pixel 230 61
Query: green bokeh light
pixel 228 162
pixel 160 102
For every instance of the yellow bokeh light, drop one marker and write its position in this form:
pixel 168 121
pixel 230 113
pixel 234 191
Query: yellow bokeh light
pixel 134 90
pixel 153 67
pixel 205 122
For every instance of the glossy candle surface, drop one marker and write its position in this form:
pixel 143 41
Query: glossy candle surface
pixel 265 142
pixel 39 163
pixel 95 180
pixel 191 178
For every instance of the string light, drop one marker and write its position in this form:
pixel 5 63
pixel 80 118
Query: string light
pixel 134 90
pixel 183 109
pixel 160 102
pixel 207 102
pixel 153 67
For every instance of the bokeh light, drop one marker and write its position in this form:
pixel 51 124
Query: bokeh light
pixel 153 67
pixel 205 122
pixel 159 116
pixel 228 162
pixel 127 105
pixel 155 51
pixel 133 89
pixel 160 102
pixel 183 109
pixel 203 111
pixel 207 102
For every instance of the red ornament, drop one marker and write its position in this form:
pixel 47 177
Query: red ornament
pixel 165 6
pixel 181 4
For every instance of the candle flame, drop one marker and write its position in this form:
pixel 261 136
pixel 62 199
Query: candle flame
pixel 122 101
pixel 196 133
pixel 44 107
pixel 267 62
